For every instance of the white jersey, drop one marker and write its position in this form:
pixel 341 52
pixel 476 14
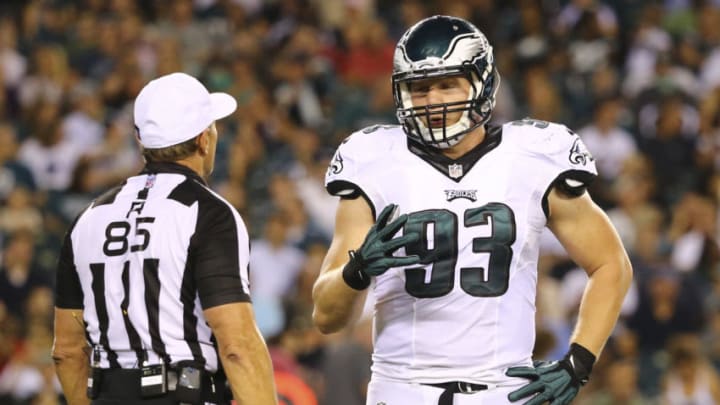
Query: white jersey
pixel 468 311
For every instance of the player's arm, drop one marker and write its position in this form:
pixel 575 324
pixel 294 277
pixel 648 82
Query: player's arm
pixel 335 302
pixel 243 353
pixel 70 354
pixel 592 242
pixel 590 239
pixel 360 249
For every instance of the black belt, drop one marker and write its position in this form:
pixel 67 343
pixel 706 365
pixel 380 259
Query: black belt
pixel 456 387
pixel 124 384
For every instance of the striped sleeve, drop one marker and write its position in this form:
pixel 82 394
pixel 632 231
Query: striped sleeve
pixel 68 290
pixel 214 255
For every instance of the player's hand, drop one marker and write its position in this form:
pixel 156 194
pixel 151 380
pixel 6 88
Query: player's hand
pixel 375 256
pixel 556 381
pixel 551 381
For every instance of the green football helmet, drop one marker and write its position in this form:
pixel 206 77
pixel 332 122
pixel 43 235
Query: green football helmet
pixel 441 46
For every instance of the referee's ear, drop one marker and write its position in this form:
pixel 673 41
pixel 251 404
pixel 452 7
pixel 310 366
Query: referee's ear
pixel 203 142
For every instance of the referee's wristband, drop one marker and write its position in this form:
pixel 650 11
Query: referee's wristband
pixel 353 273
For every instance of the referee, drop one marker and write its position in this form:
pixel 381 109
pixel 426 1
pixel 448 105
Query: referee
pixel 152 300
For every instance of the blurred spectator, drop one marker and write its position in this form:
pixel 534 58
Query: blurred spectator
pixel 20 214
pixel 693 232
pixel 366 53
pixel 49 75
pixel 292 390
pixel 542 98
pixel 668 133
pixel 590 45
pixel 631 193
pixel 274 263
pixel 108 164
pixel 18 274
pixel 610 144
pixel 669 303
pixel 12 172
pixel 621 386
pixel 308 174
pixel 13 64
pixel 295 92
pixel 648 41
pixel 193 36
pixel 690 379
pixel 711 335
pixel 347 385
pixel 709 30
pixel 296 381
pixel 51 159
pixel 83 126
pixel 591 12
pixel 29 376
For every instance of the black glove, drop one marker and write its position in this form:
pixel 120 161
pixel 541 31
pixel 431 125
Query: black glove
pixel 375 256
pixel 556 381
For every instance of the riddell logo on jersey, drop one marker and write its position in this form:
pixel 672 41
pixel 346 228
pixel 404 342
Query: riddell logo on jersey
pixel 455 194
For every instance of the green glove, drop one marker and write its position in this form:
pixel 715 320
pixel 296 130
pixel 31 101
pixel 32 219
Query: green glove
pixel 375 255
pixel 556 381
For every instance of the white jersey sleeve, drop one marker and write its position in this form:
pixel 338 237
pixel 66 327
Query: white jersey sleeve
pixel 564 161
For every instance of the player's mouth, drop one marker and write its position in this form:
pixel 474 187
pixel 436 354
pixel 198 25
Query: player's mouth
pixel 436 122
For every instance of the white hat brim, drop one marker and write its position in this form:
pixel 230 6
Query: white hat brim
pixel 223 105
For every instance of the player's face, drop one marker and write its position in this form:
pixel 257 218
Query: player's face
pixel 440 90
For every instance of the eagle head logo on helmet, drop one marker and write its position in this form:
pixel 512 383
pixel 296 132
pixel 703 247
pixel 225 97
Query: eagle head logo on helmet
pixel 442 46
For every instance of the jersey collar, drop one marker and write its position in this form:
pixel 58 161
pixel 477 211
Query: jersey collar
pixel 171 167
pixel 456 169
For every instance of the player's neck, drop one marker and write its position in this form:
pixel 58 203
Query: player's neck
pixel 468 143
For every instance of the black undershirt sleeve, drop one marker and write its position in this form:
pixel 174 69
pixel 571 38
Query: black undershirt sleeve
pixel 571 183
pixel 349 191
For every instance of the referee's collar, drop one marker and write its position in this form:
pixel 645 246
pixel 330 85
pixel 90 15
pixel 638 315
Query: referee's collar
pixel 171 167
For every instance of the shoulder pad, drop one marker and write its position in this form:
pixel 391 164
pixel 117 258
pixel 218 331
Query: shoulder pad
pixel 348 167
pixel 551 141
pixel 363 145
pixel 558 152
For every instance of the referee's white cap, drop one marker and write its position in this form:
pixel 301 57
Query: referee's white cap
pixel 176 107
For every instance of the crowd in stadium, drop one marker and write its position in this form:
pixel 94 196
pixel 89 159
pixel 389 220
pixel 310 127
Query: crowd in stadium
pixel 639 81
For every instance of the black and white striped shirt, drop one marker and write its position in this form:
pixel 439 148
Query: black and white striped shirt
pixel 144 260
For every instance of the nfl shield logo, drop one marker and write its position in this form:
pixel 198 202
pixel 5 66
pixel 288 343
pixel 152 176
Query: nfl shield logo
pixel 455 170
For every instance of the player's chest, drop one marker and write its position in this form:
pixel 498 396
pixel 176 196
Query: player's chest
pixel 418 186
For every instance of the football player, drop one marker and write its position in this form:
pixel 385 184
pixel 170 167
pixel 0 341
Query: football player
pixel 442 217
